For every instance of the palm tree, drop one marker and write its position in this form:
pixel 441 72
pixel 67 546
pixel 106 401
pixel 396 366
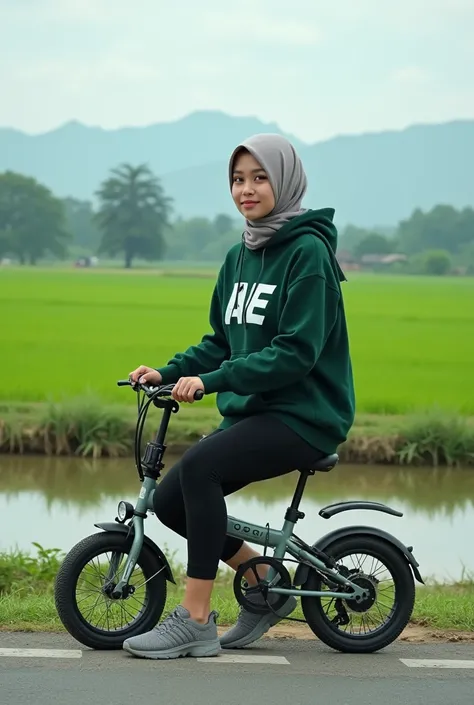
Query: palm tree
pixel 133 213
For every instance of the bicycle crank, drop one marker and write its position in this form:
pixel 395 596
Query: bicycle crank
pixel 280 578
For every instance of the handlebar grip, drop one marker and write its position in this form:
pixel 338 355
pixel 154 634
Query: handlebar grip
pixel 123 383
pixel 198 394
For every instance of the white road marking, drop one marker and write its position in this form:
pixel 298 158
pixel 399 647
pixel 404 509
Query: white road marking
pixel 436 663
pixel 40 653
pixel 247 658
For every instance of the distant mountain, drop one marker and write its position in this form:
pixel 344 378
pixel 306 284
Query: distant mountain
pixel 369 179
pixel 74 159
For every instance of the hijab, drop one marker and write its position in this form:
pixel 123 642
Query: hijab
pixel 288 181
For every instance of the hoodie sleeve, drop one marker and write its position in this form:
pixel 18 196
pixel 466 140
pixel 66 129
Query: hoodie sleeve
pixel 205 357
pixel 308 316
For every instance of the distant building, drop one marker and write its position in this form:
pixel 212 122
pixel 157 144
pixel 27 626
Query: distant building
pixel 86 262
pixel 383 259
pixel 347 260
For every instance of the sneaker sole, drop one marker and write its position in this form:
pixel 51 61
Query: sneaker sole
pixel 197 649
pixel 267 622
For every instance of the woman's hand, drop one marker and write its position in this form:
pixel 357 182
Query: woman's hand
pixel 146 375
pixel 186 387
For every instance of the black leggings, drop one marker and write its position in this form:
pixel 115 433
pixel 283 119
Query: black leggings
pixel 190 498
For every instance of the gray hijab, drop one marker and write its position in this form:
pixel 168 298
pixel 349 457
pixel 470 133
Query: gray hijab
pixel 287 179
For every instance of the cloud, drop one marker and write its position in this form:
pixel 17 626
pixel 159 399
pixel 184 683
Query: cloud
pixel 411 76
pixel 264 28
pixel 315 67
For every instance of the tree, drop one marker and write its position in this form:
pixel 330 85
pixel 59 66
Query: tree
pixel 81 223
pixel 373 244
pixel 223 224
pixel 32 220
pixel 465 258
pixel 188 239
pixel 199 232
pixel 437 262
pixel 351 236
pixel 216 250
pixel 133 213
pixel 176 241
pixel 442 228
pixel 5 243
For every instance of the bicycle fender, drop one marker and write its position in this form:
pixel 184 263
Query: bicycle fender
pixel 302 571
pixel 332 509
pixel 123 529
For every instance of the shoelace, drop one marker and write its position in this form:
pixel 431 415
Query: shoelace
pixel 167 624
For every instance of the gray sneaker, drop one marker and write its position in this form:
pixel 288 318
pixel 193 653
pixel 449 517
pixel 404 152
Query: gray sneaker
pixel 249 626
pixel 178 635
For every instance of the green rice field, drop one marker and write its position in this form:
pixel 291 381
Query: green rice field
pixel 65 332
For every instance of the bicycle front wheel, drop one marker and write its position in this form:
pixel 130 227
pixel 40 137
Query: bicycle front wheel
pixel 84 583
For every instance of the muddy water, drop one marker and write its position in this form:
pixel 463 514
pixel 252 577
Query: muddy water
pixel 55 501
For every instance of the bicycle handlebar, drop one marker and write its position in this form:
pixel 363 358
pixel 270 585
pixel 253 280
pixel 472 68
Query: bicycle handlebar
pixel 160 391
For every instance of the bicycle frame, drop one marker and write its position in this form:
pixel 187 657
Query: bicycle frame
pixel 281 540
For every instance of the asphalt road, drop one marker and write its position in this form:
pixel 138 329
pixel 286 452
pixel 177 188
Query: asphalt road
pixel 303 672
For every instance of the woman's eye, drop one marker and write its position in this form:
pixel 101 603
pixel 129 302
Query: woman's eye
pixel 262 177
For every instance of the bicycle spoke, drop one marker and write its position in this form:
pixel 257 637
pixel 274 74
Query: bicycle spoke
pixel 132 597
pixel 122 612
pixel 91 611
pixel 383 604
pixel 107 609
pixel 330 603
pixel 148 580
pixel 96 607
pixel 362 622
pixel 78 602
pixel 89 583
pixel 127 612
pixel 374 573
pixel 97 568
pixel 353 556
pixel 388 588
pixel 380 611
pixel 101 617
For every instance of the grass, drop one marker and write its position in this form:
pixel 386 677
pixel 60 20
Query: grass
pixel 67 332
pixel 27 604
pixel 436 438
pixel 86 427
pixel 446 607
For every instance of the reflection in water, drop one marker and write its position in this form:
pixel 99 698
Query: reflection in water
pixel 56 501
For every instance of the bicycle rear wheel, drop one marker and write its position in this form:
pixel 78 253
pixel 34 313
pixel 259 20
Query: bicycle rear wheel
pixel 376 622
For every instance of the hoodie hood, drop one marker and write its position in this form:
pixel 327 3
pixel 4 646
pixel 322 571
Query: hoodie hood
pixel 314 222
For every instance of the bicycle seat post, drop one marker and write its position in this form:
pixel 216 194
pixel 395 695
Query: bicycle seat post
pixel 291 517
pixel 293 513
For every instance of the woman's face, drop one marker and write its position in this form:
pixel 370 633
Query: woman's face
pixel 251 188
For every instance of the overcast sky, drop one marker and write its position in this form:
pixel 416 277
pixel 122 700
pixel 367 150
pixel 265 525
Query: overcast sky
pixel 316 68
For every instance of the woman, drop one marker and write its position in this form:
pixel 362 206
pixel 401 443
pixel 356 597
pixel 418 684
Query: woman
pixel 279 361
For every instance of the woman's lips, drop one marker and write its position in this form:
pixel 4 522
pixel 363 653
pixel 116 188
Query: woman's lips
pixel 249 204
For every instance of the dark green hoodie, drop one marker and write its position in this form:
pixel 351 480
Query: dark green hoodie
pixel 281 346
